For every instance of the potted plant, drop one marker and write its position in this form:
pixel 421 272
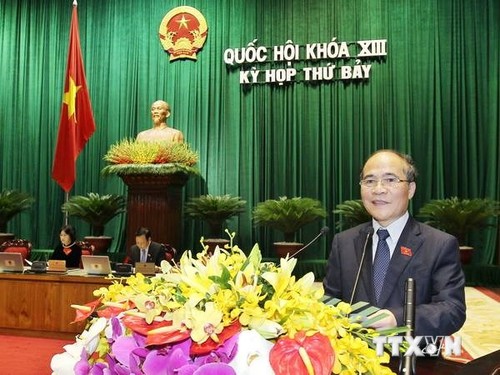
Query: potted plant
pixel 459 217
pixel 214 210
pixel 288 215
pixel 97 210
pixel 12 202
pixel 352 213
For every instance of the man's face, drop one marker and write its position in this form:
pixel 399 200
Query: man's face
pixel 386 203
pixel 159 112
pixel 142 242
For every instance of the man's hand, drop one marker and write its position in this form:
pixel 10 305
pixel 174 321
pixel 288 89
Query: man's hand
pixel 389 321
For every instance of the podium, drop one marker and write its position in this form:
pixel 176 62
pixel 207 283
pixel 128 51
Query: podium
pixel 155 201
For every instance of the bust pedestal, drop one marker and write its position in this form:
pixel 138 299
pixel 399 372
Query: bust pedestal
pixel 155 202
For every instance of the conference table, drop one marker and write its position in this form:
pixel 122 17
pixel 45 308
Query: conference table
pixel 431 366
pixel 40 304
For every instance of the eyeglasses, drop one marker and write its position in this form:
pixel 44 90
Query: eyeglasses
pixel 370 183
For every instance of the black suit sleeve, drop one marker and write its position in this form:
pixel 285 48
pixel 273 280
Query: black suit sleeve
pixel 158 252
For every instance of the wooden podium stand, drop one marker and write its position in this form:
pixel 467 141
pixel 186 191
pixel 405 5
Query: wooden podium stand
pixel 155 202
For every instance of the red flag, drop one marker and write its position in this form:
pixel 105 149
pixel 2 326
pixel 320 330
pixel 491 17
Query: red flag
pixel 76 124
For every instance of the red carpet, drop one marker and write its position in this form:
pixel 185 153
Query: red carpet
pixel 28 355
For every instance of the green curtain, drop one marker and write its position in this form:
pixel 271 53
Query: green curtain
pixel 435 96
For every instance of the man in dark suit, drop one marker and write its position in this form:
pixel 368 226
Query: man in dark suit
pixel 416 250
pixel 146 250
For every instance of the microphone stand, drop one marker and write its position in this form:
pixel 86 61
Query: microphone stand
pixel 368 235
pixel 407 364
pixel 322 232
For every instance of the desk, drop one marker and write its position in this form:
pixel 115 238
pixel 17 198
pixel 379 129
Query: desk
pixel 45 254
pixel 39 304
pixel 487 365
pixel 430 366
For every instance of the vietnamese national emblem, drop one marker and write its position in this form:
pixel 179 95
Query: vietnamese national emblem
pixel 183 32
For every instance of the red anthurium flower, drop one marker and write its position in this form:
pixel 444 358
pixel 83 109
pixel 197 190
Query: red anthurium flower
pixel 84 311
pixel 109 312
pixel 166 335
pixel 139 325
pixel 209 345
pixel 302 355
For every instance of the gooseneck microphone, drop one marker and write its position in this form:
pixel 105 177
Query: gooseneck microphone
pixel 369 233
pixel 322 232
pixel 407 365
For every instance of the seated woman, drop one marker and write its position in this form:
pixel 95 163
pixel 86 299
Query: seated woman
pixel 68 250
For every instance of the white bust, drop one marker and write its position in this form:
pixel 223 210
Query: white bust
pixel 160 111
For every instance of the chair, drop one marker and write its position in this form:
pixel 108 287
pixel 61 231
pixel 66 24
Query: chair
pixel 170 253
pixel 127 259
pixel 17 246
pixel 87 249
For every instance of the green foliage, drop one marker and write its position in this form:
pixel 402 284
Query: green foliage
pixel 130 157
pixel 130 151
pixel 12 202
pixel 460 216
pixel 288 215
pixel 352 213
pixel 214 210
pixel 95 209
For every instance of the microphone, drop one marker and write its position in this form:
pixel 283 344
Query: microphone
pixel 322 232
pixel 369 233
pixel 407 365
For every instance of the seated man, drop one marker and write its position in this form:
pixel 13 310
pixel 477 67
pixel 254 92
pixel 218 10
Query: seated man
pixel 146 250
pixel 160 111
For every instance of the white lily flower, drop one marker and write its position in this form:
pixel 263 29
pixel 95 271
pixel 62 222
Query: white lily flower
pixel 63 363
pixel 252 356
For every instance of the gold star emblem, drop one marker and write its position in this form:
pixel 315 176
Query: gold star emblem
pixel 70 97
pixel 183 22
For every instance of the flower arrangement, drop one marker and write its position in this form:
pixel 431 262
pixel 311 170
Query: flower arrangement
pixel 131 157
pixel 224 314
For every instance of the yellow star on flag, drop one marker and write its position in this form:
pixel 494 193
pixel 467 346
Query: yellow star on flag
pixel 70 97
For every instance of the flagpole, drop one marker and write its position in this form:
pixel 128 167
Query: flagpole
pixel 66 216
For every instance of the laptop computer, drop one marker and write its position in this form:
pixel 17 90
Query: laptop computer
pixel 96 265
pixel 146 268
pixel 11 262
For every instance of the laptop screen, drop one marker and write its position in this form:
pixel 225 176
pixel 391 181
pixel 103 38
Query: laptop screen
pixel 11 262
pixel 147 269
pixel 96 264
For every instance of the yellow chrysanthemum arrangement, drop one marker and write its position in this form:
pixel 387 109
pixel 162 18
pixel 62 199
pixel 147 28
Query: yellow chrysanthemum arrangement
pixel 130 156
pixel 204 295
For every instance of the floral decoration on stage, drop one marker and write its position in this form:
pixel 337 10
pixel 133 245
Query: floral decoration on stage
pixel 137 157
pixel 227 313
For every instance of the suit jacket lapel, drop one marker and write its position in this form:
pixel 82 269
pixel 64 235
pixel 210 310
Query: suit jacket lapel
pixel 409 239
